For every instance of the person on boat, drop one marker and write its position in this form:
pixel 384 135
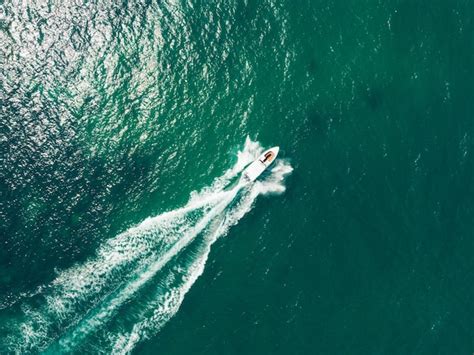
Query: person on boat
pixel 268 156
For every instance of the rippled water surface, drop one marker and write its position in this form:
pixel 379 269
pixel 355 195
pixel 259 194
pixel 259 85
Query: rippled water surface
pixel 124 129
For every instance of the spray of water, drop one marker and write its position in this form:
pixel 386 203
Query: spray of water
pixel 143 273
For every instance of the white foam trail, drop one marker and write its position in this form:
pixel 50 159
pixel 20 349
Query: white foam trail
pixel 167 304
pixel 87 297
pixel 107 308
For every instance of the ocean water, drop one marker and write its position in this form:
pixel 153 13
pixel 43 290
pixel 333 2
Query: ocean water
pixel 124 129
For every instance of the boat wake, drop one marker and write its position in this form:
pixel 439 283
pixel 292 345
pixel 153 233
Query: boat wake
pixel 137 280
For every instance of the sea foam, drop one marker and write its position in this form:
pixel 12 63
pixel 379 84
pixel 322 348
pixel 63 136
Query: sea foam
pixel 164 254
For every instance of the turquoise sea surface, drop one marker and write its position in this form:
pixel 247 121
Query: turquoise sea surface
pixel 125 126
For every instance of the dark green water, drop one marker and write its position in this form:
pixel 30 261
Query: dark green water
pixel 122 229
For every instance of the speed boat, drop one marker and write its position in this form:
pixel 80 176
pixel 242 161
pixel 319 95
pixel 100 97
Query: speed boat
pixel 255 169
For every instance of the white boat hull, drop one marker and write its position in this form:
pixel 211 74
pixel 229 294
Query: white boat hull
pixel 254 170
